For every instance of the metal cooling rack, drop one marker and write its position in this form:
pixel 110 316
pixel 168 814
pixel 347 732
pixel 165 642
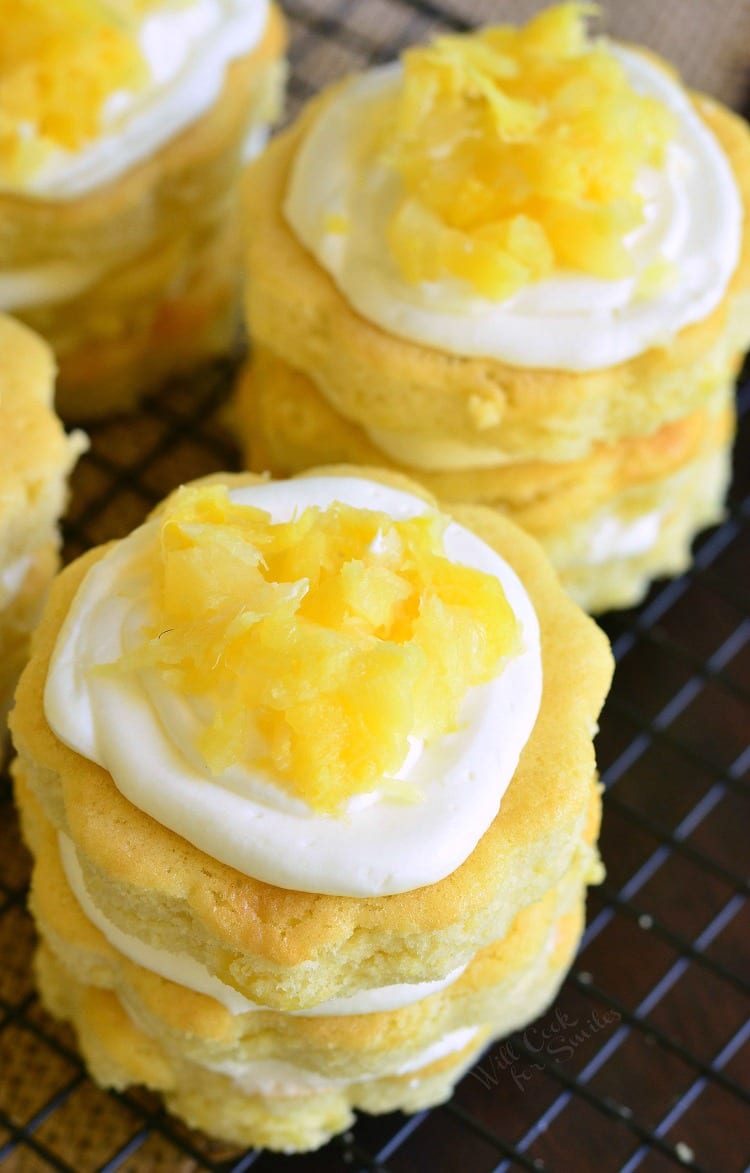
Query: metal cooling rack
pixel 644 1063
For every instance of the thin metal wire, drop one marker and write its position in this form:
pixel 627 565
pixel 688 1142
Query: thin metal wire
pixel 633 634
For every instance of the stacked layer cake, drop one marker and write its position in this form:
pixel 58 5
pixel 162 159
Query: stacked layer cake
pixel 522 277
pixel 307 772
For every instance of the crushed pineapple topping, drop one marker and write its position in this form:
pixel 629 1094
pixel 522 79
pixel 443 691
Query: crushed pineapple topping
pixel 518 152
pixel 321 644
pixel 60 60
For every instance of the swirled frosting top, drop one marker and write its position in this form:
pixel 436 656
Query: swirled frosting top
pixel 533 195
pixel 329 691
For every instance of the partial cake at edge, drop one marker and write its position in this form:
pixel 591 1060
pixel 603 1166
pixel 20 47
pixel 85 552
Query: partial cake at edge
pixel 121 236
pixel 36 458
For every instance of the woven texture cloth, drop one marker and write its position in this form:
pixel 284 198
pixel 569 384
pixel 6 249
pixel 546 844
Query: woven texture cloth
pixel 708 40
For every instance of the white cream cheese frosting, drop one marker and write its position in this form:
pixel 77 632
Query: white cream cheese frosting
pixel 186 971
pixel 12 578
pixel 632 525
pixel 46 284
pixel 574 322
pixel 437 454
pixel 612 536
pixel 275 1077
pixel 187 49
pixel 144 735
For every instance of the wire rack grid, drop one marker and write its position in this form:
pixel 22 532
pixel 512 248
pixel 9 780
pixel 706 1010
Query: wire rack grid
pixel 644 1062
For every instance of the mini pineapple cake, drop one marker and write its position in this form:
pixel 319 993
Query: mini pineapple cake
pixel 307 771
pixel 35 459
pixel 124 129
pixel 523 278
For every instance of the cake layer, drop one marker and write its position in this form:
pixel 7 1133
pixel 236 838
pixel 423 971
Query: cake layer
pixel 18 617
pixel 611 561
pixel 494 988
pixel 288 425
pixel 119 1053
pixel 637 503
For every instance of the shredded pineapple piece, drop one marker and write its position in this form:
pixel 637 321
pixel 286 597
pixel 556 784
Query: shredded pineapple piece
pixel 60 60
pixel 320 644
pixel 518 152
pixel 336 223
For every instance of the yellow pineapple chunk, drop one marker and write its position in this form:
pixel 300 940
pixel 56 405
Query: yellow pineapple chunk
pixel 518 151
pixel 336 223
pixel 60 60
pixel 319 645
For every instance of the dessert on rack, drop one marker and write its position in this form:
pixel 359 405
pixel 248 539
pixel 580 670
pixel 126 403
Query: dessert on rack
pixel 522 277
pixel 124 130
pixel 35 459
pixel 307 771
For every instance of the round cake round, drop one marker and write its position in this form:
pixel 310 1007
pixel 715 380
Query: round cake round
pixel 345 740
pixel 503 318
